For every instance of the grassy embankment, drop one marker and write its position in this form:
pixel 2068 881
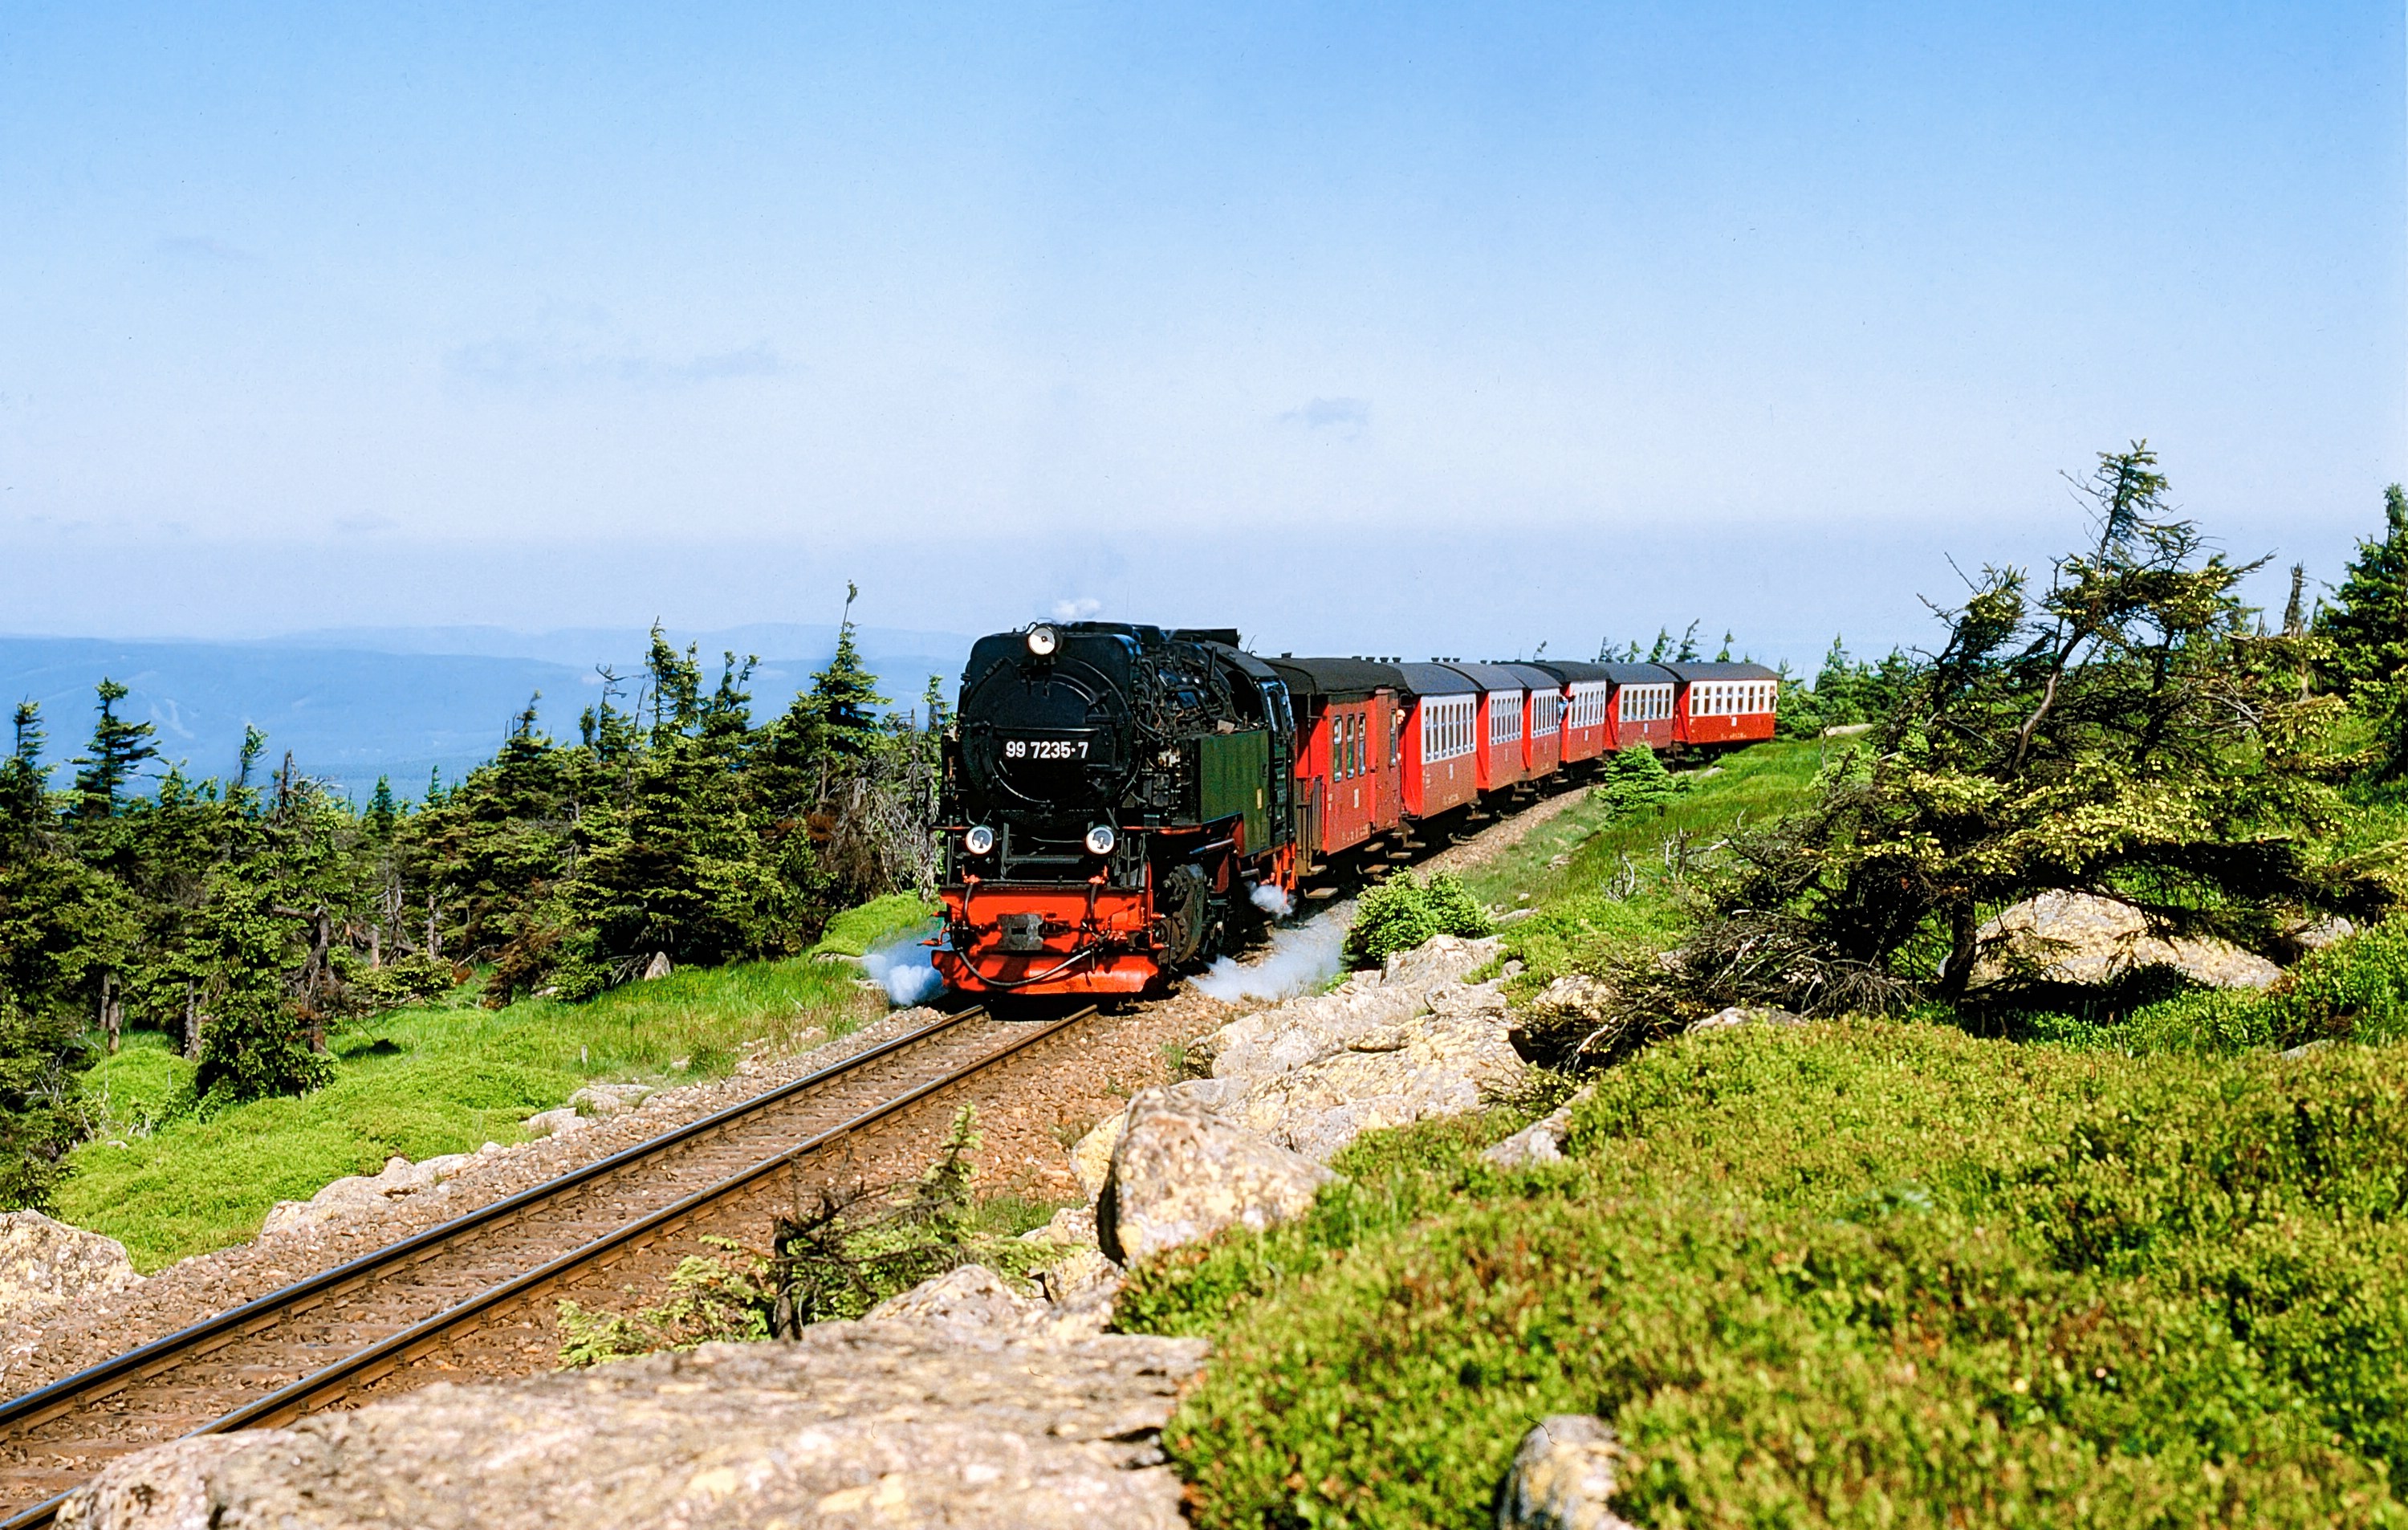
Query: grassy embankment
pixel 442 1078
pixel 1855 1273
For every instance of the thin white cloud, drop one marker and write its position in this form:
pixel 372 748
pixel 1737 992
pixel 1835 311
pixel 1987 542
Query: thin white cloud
pixel 1349 414
pixel 1076 608
pixel 512 362
pixel 200 249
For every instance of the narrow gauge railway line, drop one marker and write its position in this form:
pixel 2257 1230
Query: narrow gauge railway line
pixel 473 1297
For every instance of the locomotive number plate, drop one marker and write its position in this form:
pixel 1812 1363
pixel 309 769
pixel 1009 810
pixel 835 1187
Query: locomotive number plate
pixel 1045 748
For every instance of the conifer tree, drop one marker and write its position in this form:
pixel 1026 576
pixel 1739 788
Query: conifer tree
pixel 845 694
pixel 2367 623
pixel 1688 653
pixel 25 796
pixel 383 813
pixel 118 748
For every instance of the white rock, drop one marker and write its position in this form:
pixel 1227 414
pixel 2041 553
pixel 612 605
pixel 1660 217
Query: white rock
pixel 1540 1142
pixel 555 1122
pixel 1181 1174
pixel 45 1263
pixel 1072 1228
pixel 1740 1014
pixel 1091 1157
pixel 2076 937
pixel 1562 1478
pixel 1443 1062
pixel 1303 1030
pixel 972 1298
pixel 608 1099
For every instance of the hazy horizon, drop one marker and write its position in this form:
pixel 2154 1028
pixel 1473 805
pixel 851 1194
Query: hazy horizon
pixel 1239 313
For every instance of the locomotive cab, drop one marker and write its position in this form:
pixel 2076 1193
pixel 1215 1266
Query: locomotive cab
pixel 1113 796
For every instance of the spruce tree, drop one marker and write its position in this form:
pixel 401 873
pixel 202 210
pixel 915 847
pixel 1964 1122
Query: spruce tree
pixel 2367 623
pixel 25 796
pixel 845 694
pixel 118 748
pixel 383 813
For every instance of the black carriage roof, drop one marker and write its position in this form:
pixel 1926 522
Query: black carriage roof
pixel 1492 677
pixel 1638 674
pixel 1535 677
pixel 1435 680
pixel 1573 671
pixel 1338 680
pixel 1688 672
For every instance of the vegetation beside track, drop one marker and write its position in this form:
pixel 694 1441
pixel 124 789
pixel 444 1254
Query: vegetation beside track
pixel 170 1180
pixel 2002 1253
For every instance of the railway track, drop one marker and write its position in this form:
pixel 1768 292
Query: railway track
pixel 475 1296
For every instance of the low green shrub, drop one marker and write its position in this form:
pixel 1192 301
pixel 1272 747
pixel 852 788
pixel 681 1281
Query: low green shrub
pixel 1634 779
pixel 2354 989
pixel 1402 912
pixel 1864 1274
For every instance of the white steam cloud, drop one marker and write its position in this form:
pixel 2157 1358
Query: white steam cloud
pixel 1076 608
pixel 1301 959
pixel 906 969
pixel 1271 900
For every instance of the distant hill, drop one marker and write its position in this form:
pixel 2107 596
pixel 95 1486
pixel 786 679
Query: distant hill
pixel 353 704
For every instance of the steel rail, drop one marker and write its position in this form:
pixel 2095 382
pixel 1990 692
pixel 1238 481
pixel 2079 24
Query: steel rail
pixel 97 1383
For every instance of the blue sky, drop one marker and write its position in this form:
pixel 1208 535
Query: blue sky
pixel 1368 329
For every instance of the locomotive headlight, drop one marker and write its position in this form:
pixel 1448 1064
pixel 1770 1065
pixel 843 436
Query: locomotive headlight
pixel 978 840
pixel 1043 641
pixel 1100 839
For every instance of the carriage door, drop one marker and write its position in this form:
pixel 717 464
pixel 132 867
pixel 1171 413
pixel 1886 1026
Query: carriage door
pixel 1388 757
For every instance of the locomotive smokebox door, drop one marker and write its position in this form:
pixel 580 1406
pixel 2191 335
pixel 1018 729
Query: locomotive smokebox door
pixel 1022 932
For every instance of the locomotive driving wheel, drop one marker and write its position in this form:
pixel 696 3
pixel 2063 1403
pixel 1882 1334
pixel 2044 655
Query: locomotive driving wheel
pixel 1185 900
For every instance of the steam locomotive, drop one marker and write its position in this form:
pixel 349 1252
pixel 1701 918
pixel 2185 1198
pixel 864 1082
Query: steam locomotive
pixel 1121 801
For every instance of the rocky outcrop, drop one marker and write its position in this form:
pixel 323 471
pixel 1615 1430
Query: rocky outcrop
pixel 1742 1014
pixel 1442 1062
pixel 1271 1042
pixel 558 1122
pixel 1181 1173
pixel 2076 937
pixel 1540 1142
pixel 45 1263
pixel 368 1193
pixel 609 1099
pixel 1562 1478
pixel 889 1423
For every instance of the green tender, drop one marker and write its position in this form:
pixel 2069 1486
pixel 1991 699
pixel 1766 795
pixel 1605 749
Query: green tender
pixel 1233 772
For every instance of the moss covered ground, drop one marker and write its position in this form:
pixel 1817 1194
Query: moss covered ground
pixel 433 1079
pixel 1862 1273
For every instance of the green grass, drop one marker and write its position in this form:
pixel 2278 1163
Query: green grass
pixel 1582 923
pixel 858 931
pixel 1867 1275
pixel 434 1078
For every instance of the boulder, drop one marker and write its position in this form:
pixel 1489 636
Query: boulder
pixel 972 1297
pixel 2077 938
pixel 1442 1063
pixel 45 1263
pixel 1181 1173
pixel 1271 1042
pixel 896 1424
pixel 1540 1142
pixel 1742 1014
pixel 366 1193
pixel 1091 1158
pixel 1072 1228
pixel 555 1122
pixel 1562 1478
pixel 608 1099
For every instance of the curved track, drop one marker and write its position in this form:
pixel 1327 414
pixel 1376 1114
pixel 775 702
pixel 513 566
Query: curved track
pixel 474 1296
